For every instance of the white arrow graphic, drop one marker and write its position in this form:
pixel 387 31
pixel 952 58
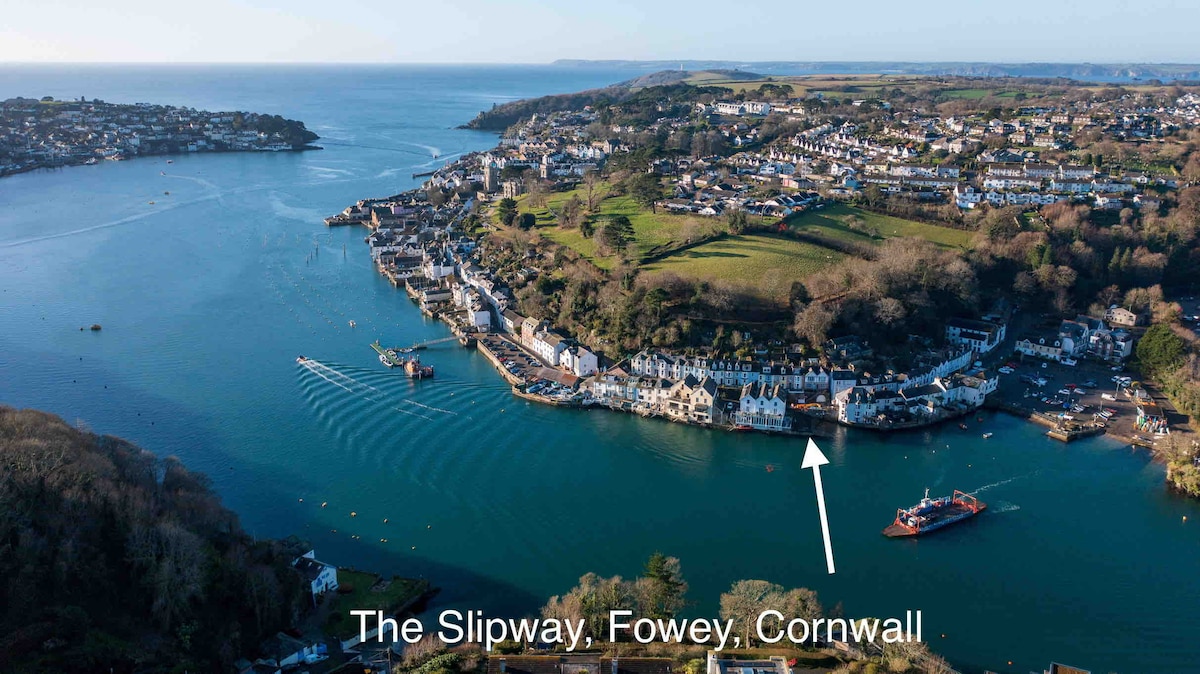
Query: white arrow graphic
pixel 813 458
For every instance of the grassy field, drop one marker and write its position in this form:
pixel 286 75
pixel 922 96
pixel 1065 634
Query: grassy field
pixel 650 229
pixel 398 592
pixel 802 85
pixel 833 222
pixel 766 262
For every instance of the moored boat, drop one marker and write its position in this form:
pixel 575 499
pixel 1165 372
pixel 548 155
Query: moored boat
pixel 932 514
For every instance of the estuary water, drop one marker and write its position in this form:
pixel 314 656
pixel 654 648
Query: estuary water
pixel 207 296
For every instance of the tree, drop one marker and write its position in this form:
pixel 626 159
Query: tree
pixel 571 214
pixel 527 221
pixel 1160 349
pixel 738 220
pixel 813 323
pixel 591 182
pixel 662 584
pixel 507 210
pixel 743 603
pixel 645 189
pixel 616 232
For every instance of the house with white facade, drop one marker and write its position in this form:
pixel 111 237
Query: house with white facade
pixel 321 577
pixel 578 360
pixel 982 336
pixel 763 407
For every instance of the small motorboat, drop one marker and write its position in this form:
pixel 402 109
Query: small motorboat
pixel 986 436
pixel 352 324
pixel 301 359
pixel 386 361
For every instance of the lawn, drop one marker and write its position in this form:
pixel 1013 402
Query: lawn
pixel 650 229
pixel 767 262
pixel 976 94
pixel 398 592
pixel 833 222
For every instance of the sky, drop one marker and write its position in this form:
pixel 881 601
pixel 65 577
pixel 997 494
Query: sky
pixel 540 31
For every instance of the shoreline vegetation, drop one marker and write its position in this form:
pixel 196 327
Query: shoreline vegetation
pixel 158 576
pixel 47 133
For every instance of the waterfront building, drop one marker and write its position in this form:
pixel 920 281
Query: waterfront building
pixel 578 360
pixel 321 577
pixel 691 400
pixel 763 407
pixel 982 336
pixel 1040 347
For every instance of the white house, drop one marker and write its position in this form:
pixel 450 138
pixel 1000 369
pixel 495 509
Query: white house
pixel 321 577
pixel 578 361
pixel 548 345
pixel 763 407
pixel 979 335
pixel 1117 315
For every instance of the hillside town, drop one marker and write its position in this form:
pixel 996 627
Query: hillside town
pixel 915 155
pixel 47 133
pixel 449 245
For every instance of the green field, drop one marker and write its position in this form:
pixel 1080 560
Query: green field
pixel 766 262
pixel 976 94
pixel 834 221
pixel 650 229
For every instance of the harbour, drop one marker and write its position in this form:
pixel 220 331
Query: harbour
pixel 201 366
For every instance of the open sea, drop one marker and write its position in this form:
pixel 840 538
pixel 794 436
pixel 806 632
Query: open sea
pixel 207 296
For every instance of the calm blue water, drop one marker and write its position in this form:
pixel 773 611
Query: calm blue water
pixel 208 295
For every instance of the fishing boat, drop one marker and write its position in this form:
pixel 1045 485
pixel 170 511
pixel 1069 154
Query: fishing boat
pixel 932 514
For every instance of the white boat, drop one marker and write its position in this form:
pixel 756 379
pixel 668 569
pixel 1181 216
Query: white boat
pixel 385 360
pixel 986 436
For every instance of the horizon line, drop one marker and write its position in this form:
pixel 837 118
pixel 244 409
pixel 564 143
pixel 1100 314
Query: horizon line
pixel 593 61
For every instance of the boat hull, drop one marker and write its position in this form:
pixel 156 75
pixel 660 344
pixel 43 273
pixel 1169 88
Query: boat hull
pixel 951 514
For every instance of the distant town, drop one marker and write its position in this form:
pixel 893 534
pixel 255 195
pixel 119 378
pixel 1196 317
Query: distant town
pixel 876 252
pixel 47 133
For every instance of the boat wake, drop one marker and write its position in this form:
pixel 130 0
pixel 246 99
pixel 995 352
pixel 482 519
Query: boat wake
pixel 1005 507
pixel 1001 482
pixel 352 385
pixel 365 390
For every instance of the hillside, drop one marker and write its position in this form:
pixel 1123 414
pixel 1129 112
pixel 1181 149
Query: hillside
pixel 116 560
pixel 1079 71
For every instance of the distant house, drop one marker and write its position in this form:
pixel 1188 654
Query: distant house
pixel 1117 315
pixel 512 321
pixel 979 335
pixel 321 577
pixel 1041 347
